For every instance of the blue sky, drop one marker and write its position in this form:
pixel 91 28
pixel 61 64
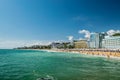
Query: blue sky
pixel 49 20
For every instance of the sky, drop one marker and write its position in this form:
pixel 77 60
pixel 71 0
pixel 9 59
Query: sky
pixel 24 22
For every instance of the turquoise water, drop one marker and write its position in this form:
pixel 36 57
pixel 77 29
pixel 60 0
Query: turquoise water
pixel 30 65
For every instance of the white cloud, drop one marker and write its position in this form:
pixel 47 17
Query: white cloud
pixel 111 32
pixel 70 38
pixel 86 32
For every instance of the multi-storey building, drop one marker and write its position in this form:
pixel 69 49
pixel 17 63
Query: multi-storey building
pixel 96 40
pixel 111 42
pixel 81 44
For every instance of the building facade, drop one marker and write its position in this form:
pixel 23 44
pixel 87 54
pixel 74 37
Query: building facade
pixel 111 43
pixel 81 44
pixel 96 40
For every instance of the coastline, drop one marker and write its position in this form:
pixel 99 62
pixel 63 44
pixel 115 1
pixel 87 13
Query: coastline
pixel 95 52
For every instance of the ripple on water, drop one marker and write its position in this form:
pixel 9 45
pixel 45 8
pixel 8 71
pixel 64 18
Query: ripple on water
pixel 30 65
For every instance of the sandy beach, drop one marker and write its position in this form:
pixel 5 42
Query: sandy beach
pixel 98 52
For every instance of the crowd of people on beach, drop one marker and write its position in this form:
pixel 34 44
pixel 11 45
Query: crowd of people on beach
pixel 102 52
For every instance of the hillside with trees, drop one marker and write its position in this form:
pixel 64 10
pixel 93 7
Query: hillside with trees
pixel 116 34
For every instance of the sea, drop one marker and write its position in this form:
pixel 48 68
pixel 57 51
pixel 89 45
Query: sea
pixel 41 65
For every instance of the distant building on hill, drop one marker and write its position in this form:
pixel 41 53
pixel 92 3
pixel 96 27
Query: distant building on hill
pixel 111 42
pixel 62 45
pixel 56 45
pixel 81 44
pixel 96 40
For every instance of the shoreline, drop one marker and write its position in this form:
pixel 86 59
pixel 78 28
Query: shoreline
pixel 93 52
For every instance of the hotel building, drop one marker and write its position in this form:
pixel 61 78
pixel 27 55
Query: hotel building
pixel 81 44
pixel 96 40
pixel 111 42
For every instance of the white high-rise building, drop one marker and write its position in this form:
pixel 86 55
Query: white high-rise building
pixel 96 40
pixel 111 42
